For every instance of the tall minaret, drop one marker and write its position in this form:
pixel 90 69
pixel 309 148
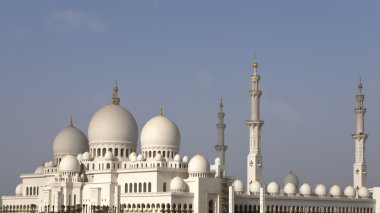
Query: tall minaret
pixel 360 167
pixel 220 147
pixel 254 159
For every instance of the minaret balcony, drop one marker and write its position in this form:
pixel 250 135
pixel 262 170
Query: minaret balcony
pixel 254 122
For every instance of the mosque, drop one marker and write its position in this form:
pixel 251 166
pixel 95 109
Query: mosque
pixel 103 171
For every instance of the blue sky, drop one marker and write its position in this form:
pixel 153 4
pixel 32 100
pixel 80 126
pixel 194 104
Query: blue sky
pixel 61 58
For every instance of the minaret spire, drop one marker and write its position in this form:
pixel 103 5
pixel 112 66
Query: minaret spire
pixel 161 110
pixel 254 158
pixel 360 137
pixel 115 98
pixel 221 126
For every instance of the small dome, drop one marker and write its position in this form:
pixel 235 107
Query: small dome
pixel 218 161
pixel 160 131
pixel 159 157
pixel 108 155
pixel 177 157
pixel 133 156
pixel 305 190
pixel 49 164
pixel 79 157
pixel 177 185
pixel 291 178
pixel 69 163
pixel 113 124
pixel 185 159
pixel 320 190
pixel 273 188
pixel 238 186
pixel 140 157
pixel 350 192
pixel 254 187
pixel 70 140
pixel 290 189
pixel 18 190
pixel 335 191
pixel 39 170
pixel 364 192
pixel 86 156
pixel 198 164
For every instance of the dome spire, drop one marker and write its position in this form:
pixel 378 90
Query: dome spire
pixel 71 121
pixel 161 111
pixel 115 98
pixel 360 85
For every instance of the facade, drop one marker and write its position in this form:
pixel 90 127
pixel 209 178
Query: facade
pixel 103 171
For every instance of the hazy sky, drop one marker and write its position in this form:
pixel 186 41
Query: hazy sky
pixel 61 58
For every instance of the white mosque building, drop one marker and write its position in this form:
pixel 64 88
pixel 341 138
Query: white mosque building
pixel 103 172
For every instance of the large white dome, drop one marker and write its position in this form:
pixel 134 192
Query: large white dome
pixel 18 190
pixel 160 131
pixel 254 187
pixel 177 185
pixel 350 192
pixel 70 140
pixel 198 164
pixel 335 191
pixel 291 178
pixel 238 186
pixel 273 188
pixel 113 124
pixel 320 190
pixel 69 163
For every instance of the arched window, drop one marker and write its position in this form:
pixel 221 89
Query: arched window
pixel 130 187
pixel 121 152
pixel 34 190
pixel 163 154
pixel 211 207
pixel 99 152
pixel 149 187
pixel 140 187
pixel 126 188
pixel 144 187
pixel 164 187
pixel 116 152
pixel 135 187
pixel 150 154
pixel 27 190
pixel 108 166
pixel 104 151
pixel 126 153
pixel 154 153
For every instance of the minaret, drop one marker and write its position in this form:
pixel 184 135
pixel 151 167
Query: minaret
pixel 360 167
pixel 254 159
pixel 220 147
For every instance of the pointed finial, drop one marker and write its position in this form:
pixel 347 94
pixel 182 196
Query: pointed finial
pixel 198 152
pixel 115 98
pixel 161 111
pixel 360 85
pixel 221 104
pixel 255 65
pixel 71 121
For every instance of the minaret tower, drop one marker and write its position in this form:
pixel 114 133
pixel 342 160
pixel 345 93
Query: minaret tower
pixel 360 167
pixel 254 159
pixel 220 147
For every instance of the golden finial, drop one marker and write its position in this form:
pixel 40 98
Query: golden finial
pixel 360 85
pixel 221 104
pixel 71 121
pixel 255 64
pixel 161 111
pixel 115 98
